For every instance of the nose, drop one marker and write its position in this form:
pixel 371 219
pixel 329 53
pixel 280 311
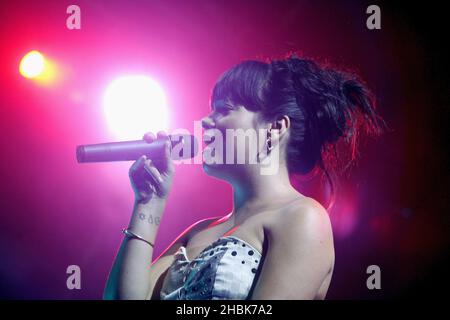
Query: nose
pixel 207 123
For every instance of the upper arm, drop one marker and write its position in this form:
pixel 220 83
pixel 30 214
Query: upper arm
pixel 160 265
pixel 300 255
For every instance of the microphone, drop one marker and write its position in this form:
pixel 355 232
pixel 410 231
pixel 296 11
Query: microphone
pixel 183 146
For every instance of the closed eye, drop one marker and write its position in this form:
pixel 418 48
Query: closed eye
pixel 225 108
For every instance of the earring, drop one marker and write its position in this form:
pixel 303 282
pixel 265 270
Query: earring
pixel 269 145
pixel 269 142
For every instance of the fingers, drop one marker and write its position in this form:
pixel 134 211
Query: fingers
pixel 135 174
pixel 145 176
pixel 153 171
pixel 162 135
pixel 139 163
pixel 163 164
pixel 144 167
pixel 149 137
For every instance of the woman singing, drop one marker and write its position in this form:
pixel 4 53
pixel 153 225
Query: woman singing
pixel 276 243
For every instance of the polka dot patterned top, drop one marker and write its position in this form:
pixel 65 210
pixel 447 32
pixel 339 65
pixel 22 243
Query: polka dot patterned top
pixel 225 269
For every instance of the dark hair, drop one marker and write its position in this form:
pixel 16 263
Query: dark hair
pixel 323 103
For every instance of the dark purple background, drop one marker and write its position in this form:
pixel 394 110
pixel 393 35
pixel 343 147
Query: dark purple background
pixel 392 209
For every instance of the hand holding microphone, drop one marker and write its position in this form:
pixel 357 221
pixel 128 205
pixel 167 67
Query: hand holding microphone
pixel 151 173
pixel 152 178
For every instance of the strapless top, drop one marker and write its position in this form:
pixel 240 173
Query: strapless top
pixel 226 269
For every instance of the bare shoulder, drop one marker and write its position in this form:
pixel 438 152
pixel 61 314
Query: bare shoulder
pixel 299 261
pixel 307 212
pixel 301 210
pixel 305 221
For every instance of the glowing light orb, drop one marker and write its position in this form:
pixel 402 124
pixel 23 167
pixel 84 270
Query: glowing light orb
pixel 134 105
pixel 32 64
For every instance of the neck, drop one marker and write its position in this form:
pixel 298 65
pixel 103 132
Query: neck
pixel 251 192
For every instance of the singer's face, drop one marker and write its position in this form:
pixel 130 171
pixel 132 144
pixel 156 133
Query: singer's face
pixel 230 140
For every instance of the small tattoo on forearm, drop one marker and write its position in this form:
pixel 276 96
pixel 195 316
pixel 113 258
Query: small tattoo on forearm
pixel 153 220
pixel 150 219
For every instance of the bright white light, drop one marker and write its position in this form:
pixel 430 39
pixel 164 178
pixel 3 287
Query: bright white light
pixel 32 64
pixel 134 105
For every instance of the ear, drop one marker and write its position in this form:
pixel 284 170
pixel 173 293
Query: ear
pixel 282 124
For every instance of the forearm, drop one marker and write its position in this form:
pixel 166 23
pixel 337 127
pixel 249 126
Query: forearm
pixel 130 274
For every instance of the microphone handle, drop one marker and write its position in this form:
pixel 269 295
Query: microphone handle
pixel 121 151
